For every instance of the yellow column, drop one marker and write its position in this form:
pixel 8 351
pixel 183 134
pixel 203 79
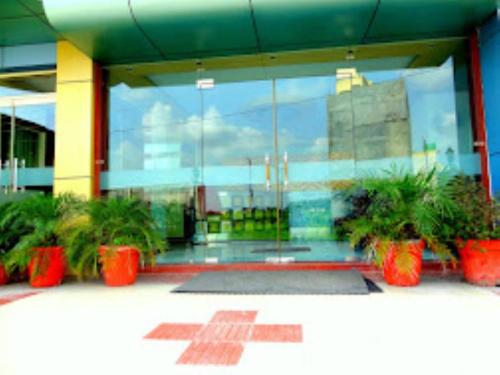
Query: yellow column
pixel 74 144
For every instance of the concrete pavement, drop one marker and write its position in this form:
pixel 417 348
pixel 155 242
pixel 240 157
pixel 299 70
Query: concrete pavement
pixel 444 326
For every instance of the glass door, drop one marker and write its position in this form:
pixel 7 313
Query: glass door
pixel 316 162
pixel 251 162
pixel 249 132
pixel 239 174
pixel 352 124
pixel 154 153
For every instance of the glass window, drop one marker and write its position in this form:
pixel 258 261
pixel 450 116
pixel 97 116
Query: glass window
pixel 255 159
pixel 27 131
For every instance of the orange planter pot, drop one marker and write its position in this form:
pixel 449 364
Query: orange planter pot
pixel 3 275
pixel 392 275
pixel 47 267
pixel 119 265
pixel 481 262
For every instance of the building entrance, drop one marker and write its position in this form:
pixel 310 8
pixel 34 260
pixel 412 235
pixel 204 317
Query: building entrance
pixel 252 165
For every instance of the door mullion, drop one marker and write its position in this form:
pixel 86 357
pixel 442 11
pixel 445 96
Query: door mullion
pixel 276 172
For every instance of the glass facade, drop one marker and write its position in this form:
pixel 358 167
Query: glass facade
pixel 249 165
pixel 27 132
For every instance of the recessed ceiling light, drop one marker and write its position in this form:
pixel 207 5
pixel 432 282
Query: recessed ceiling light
pixel 350 55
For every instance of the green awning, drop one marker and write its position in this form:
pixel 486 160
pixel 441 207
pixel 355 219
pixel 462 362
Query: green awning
pixel 123 31
pixel 24 22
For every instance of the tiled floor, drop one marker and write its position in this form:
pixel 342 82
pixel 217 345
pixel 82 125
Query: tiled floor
pixel 444 326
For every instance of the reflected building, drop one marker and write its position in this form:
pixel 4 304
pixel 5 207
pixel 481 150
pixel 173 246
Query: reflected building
pixel 366 120
pixel 33 144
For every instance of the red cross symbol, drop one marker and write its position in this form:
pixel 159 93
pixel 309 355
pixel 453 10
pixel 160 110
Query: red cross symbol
pixel 222 340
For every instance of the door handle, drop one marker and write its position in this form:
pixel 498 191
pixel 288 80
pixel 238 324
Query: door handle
pixel 285 170
pixel 268 172
pixel 15 171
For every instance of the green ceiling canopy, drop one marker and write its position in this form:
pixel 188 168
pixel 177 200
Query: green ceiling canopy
pixel 123 31
pixel 24 22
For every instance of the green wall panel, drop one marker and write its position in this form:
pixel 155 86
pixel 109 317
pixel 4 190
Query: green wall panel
pixel 197 28
pixel 416 19
pixel 285 24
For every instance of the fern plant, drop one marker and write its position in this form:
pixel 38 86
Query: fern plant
pixel 31 223
pixel 111 222
pixel 403 207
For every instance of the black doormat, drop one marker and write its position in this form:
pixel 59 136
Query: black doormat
pixel 372 286
pixel 282 250
pixel 278 282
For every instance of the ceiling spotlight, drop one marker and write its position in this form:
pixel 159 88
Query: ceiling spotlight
pixel 199 66
pixel 350 55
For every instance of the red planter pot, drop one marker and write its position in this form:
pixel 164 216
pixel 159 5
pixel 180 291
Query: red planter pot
pixel 481 262
pixel 119 265
pixel 3 275
pixel 47 267
pixel 392 275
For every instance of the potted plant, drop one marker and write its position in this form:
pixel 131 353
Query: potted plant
pixel 37 248
pixel 112 237
pixel 400 220
pixel 5 243
pixel 11 230
pixel 4 279
pixel 476 232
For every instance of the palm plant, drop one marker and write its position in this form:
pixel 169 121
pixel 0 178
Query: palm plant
pixel 403 207
pixel 7 233
pixel 111 222
pixel 31 223
pixel 12 227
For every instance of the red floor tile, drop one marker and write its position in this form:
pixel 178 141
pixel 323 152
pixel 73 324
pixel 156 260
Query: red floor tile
pixel 221 341
pixel 15 297
pixel 205 353
pixel 276 333
pixel 224 333
pixel 234 317
pixel 174 331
